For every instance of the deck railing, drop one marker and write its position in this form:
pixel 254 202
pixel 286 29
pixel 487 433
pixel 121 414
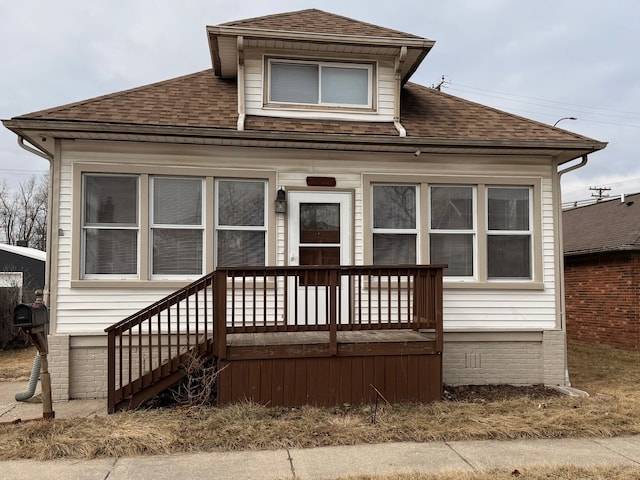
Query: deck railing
pixel 147 351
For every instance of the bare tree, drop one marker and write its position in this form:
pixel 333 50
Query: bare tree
pixel 23 212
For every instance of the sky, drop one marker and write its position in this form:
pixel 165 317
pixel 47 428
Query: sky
pixel 543 59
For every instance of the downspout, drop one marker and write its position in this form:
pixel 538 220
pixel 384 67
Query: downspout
pixel 240 81
pixel 47 263
pixel 398 72
pixel 563 313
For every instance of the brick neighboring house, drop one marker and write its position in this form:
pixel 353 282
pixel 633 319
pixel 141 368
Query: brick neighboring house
pixel 602 272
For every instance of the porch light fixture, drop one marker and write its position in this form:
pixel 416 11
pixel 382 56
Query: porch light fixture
pixel 281 201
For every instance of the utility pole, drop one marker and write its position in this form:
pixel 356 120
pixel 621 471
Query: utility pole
pixel 600 195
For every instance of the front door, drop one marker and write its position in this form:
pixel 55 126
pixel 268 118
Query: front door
pixel 319 234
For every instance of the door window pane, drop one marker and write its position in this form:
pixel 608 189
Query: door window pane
pixel 320 223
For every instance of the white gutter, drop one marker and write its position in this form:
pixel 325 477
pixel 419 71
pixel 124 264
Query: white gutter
pixel 35 151
pixel 241 87
pixel 398 73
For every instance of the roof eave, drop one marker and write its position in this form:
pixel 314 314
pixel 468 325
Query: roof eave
pixel 36 132
pixel 612 249
pixel 422 45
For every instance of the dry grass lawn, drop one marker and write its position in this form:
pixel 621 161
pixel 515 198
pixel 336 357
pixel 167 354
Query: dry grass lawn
pixel 16 364
pixel 560 473
pixel 611 376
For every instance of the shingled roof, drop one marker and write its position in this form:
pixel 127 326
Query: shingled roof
pixel 610 225
pixel 318 22
pixel 204 100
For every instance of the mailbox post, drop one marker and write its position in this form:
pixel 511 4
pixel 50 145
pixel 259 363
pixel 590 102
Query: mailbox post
pixel 34 321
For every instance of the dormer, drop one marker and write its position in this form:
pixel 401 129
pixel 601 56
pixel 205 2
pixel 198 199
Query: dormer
pixel 314 64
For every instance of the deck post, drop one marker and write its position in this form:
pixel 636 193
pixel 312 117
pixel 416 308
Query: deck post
pixel 111 371
pixel 333 311
pixel 220 313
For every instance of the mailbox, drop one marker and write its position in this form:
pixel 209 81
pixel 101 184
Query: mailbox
pixel 28 316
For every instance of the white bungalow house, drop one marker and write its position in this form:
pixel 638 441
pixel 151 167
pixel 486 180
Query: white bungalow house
pixel 305 144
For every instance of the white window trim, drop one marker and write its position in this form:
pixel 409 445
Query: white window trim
pixel 246 228
pixel 84 228
pixel 473 231
pixel 153 226
pixel 529 232
pixel 337 64
pixel 398 231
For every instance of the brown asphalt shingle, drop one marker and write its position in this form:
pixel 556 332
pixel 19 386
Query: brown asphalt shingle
pixel 204 100
pixel 317 21
pixel 607 225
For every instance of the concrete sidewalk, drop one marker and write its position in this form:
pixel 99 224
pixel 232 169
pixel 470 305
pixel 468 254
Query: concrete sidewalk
pixel 309 464
pixel 333 462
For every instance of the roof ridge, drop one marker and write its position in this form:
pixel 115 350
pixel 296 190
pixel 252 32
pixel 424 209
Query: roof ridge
pixel 113 95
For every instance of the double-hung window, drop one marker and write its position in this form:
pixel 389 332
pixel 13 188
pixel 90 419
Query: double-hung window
pixel 452 229
pixel 110 226
pixel 395 224
pixel 177 227
pixel 509 233
pixel 241 222
pixel 329 84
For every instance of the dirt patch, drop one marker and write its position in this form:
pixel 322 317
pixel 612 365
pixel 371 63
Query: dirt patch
pixel 496 393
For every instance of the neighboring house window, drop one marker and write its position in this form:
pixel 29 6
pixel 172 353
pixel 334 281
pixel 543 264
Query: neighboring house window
pixel 177 228
pixel 452 231
pixel 241 222
pixel 395 224
pixel 509 232
pixel 320 83
pixel 110 225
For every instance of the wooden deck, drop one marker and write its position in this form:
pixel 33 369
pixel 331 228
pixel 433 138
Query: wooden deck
pixel 289 336
pixel 297 368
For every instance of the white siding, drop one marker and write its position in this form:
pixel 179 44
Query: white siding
pixel 90 310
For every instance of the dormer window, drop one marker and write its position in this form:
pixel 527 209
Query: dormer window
pixel 323 84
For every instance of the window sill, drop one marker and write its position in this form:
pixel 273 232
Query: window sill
pixel 130 283
pixel 493 285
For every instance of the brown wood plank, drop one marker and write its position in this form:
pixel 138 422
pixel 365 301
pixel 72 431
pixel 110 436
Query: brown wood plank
pixel 357 376
pixel 379 376
pixel 254 381
pixel 413 378
pixel 312 381
pixel 266 380
pixel 402 380
pixel 289 385
pixel 323 381
pixel 334 381
pixel 301 382
pixel 346 381
pixel 435 377
pixel 368 379
pixel 277 386
pixel 224 382
pixel 391 378
pixel 423 378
